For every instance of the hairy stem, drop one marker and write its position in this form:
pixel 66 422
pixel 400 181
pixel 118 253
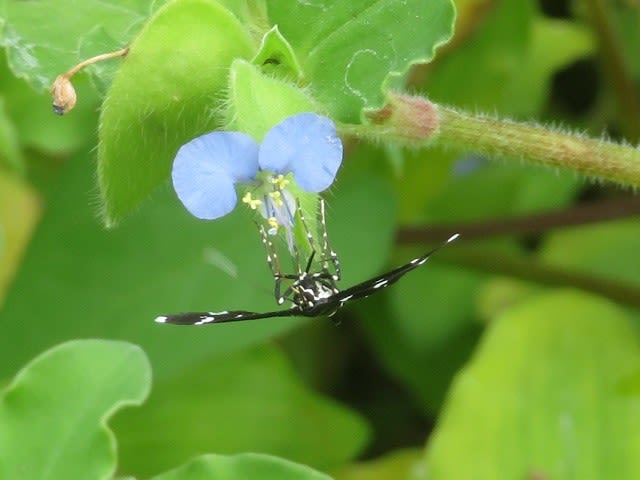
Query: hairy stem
pixel 415 121
pixel 535 144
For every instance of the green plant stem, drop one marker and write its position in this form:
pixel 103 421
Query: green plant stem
pixel 415 121
pixel 534 144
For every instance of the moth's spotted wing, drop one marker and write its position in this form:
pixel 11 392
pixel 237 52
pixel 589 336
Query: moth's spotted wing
pixel 205 318
pixel 322 306
pixel 369 287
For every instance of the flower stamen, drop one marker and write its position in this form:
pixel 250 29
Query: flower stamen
pixel 253 203
pixel 276 196
pixel 280 182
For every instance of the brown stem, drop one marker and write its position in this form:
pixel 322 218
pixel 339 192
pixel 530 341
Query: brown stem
pixel 535 271
pixel 98 58
pixel 534 223
pixel 530 269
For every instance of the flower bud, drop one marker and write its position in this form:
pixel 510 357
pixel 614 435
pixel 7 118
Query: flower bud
pixel 64 95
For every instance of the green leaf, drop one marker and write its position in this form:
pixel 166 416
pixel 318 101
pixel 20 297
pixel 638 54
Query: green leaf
pixel 216 405
pixel 53 415
pixel 246 465
pixel 277 57
pixel 42 38
pixel 352 51
pixel 259 102
pixel 168 91
pixel 542 396
pixel 78 280
pixel 35 124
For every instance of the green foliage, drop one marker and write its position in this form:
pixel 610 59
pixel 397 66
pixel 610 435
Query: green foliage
pixel 39 52
pixel 33 123
pixel 349 50
pixel 162 261
pixel 258 101
pixel 247 465
pixel 509 64
pixel 518 378
pixel 542 396
pixel 166 93
pixel 222 400
pixel 606 250
pixel 53 414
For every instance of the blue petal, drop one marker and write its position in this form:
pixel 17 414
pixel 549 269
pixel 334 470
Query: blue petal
pixel 306 144
pixel 206 169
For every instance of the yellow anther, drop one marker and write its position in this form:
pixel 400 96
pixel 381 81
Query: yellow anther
pixel 252 202
pixel 276 196
pixel 273 223
pixel 280 181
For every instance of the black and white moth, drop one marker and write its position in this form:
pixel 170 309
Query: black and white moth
pixel 312 294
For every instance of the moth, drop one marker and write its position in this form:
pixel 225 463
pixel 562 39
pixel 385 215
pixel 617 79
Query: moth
pixel 312 294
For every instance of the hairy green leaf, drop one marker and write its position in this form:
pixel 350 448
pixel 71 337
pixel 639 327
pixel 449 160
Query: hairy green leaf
pixel 168 91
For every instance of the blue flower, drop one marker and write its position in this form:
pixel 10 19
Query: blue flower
pixel 303 147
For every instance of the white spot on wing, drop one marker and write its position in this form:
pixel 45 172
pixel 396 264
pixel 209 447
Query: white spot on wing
pixel 161 319
pixel 453 237
pixel 205 320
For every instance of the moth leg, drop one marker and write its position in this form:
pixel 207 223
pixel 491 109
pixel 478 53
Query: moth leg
pixel 274 264
pixel 307 231
pixel 328 255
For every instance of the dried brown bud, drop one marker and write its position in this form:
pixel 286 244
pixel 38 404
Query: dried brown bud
pixel 64 95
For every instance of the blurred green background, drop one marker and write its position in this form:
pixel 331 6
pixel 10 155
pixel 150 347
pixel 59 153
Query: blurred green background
pixel 511 354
